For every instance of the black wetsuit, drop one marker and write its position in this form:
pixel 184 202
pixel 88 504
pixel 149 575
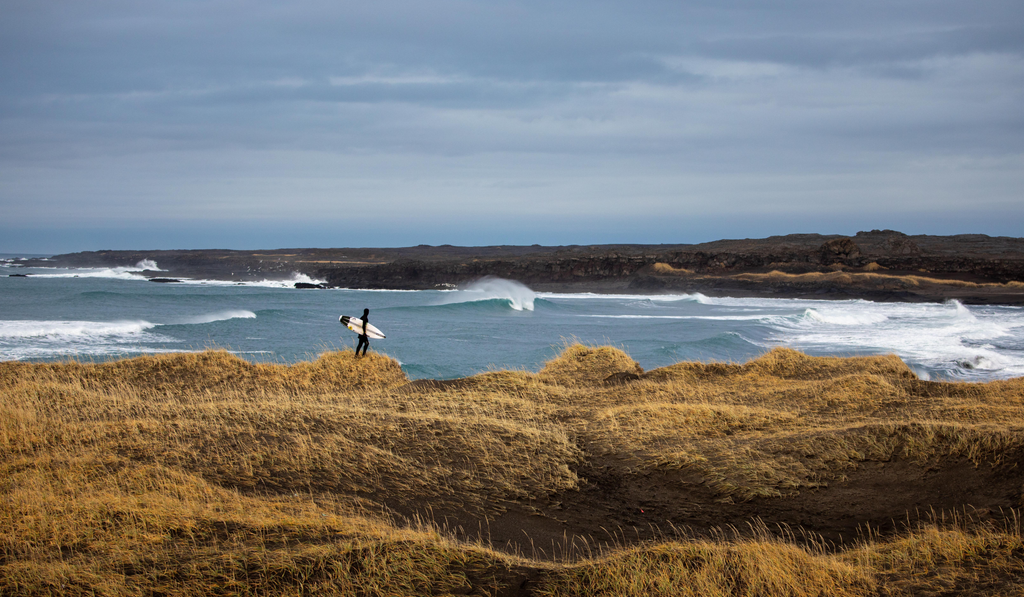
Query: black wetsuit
pixel 364 340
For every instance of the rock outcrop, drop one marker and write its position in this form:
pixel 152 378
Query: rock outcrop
pixel 991 264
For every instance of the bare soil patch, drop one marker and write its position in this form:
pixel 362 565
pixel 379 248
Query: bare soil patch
pixel 616 509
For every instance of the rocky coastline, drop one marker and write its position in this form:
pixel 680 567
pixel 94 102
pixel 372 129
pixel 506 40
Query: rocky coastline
pixel 881 265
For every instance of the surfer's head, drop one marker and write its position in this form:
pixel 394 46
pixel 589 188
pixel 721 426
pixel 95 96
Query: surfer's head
pixel 366 312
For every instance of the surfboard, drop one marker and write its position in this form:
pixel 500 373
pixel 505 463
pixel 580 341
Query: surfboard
pixel 356 325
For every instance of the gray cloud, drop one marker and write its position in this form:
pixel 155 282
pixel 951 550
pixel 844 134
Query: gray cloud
pixel 492 115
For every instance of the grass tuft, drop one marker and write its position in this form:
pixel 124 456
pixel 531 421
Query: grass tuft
pixel 580 365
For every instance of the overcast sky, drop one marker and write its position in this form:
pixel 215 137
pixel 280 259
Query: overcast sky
pixel 266 124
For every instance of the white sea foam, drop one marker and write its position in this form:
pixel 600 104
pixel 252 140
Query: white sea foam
pixel 71 329
pixel 216 316
pixel 119 273
pixel 286 283
pixel 148 264
pixel 32 339
pixel 843 317
pixel 295 278
pixel 519 296
pixel 696 297
pixel 948 340
pixel 93 351
pixel 947 337
pixel 21 340
pixel 694 317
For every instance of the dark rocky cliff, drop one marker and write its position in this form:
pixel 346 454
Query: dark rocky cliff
pixel 981 266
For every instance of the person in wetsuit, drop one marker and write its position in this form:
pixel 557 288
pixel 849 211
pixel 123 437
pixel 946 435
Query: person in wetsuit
pixel 364 340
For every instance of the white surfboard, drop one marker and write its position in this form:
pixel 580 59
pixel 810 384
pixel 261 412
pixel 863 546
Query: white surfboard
pixel 356 325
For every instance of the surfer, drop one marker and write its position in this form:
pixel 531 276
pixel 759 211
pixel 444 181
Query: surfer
pixel 363 328
pixel 364 340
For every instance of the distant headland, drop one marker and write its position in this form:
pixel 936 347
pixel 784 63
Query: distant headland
pixel 881 265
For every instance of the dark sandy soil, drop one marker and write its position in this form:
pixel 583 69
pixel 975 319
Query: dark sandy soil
pixel 617 508
pixel 619 505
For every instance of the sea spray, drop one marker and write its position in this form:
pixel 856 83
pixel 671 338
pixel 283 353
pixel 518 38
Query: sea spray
pixel 518 295
pixel 148 264
pixel 303 278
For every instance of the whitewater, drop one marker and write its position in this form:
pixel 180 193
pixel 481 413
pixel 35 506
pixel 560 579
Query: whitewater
pixel 102 314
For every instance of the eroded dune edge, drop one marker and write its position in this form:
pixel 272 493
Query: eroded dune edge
pixel 203 473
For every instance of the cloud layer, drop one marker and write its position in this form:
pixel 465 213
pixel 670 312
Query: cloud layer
pixel 470 122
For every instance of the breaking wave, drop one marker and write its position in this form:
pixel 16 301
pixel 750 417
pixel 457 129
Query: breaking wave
pixel 30 339
pixel 21 340
pixel 120 273
pixel 217 316
pixel 71 329
pixel 947 339
pixel 148 264
pixel 516 295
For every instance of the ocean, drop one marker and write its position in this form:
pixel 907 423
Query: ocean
pixel 93 315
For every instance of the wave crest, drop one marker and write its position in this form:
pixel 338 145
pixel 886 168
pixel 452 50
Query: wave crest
pixel 217 316
pixel 516 294
pixel 71 329
pixel 846 318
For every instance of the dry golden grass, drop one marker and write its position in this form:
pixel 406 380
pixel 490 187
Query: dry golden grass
pixel 786 422
pixel 867 278
pixel 663 269
pixel 942 557
pixel 202 473
pixel 711 569
pixel 580 366
pixel 947 557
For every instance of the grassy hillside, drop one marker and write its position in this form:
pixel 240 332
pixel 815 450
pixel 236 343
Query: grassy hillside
pixel 789 475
